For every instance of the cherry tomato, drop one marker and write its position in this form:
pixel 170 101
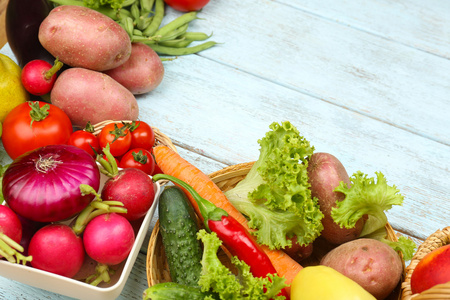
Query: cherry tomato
pixel 138 158
pixel 157 170
pixel 118 136
pixel 142 135
pixel 187 5
pixel 85 140
pixel 31 125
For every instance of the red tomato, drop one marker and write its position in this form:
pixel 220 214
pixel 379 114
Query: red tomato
pixel 142 135
pixel 187 5
pixel 117 136
pixel 138 158
pixel 21 133
pixel 85 140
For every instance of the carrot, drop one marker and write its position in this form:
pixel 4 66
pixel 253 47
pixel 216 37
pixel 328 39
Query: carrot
pixel 171 163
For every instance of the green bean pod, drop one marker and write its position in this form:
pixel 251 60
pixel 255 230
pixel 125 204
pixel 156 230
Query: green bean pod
pixel 137 32
pixel 134 10
pixel 174 34
pixel 127 24
pixel 147 5
pixel 157 19
pixel 177 43
pixel 142 39
pixel 143 22
pixel 195 36
pixel 128 3
pixel 178 22
pixel 181 51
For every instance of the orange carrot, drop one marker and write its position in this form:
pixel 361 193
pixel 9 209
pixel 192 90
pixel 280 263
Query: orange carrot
pixel 171 163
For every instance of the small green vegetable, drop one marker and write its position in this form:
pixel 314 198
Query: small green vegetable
pixel 178 227
pixel 173 291
pixel 181 51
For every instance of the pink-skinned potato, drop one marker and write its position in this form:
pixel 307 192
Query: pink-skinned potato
pixel 82 37
pixel 86 95
pixel 142 72
pixel 325 173
pixel 371 263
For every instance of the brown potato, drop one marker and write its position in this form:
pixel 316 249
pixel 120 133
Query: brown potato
pixel 82 37
pixel 86 95
pixel 142 72
pixel 325 172
pixel 371 263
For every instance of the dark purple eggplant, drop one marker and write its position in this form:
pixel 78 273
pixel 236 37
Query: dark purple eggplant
pixel 23 18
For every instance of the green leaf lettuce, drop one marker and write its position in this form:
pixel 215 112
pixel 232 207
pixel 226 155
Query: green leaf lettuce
pixel 275 194
pixel 217 278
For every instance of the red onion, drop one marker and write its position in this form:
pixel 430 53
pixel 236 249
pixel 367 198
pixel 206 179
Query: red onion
pixel 43 185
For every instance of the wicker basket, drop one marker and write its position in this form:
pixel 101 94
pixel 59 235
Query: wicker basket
pixel 225 179
pixel 442 291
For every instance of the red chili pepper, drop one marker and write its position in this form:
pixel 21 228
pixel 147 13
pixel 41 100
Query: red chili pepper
pixel 236 239
pixel 239 242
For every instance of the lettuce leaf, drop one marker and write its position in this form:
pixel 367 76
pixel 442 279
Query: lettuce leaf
pixel 365 196
pixel 404 245
pixel 275 194
pixel 217 278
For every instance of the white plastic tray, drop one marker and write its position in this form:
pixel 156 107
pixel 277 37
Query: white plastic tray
pixel 78 289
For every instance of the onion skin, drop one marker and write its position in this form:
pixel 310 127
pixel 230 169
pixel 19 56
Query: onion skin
pixel 50 193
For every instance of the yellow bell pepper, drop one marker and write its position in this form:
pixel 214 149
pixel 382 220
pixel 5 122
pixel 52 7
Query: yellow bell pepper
pixel 325 283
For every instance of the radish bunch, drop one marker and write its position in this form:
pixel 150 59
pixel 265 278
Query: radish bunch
pixel 102 234
pixel 99 231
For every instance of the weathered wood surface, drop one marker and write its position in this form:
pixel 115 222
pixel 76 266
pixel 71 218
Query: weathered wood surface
pixel 366 81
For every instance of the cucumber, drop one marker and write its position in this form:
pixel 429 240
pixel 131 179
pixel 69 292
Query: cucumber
pixel 178 227
pixel 174 291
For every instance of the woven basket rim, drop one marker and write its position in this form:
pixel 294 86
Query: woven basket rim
pixel 231 174
pixel 439 238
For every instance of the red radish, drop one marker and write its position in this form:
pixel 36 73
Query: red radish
pixel 10 224
pixel 38 76
pixel 10 227
pixel 57 249
pixel 29 228
pixel 108 238
pixel 134 188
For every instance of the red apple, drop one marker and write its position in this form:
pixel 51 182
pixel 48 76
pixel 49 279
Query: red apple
pixel 433 269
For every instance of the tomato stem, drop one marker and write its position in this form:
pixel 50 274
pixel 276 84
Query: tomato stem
pixel 38 113
pixel 140 157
